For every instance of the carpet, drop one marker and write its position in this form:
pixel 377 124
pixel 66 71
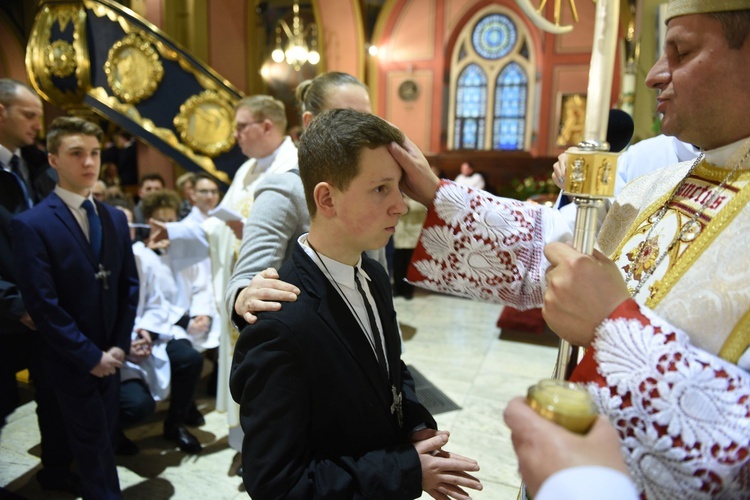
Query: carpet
pixel 430 396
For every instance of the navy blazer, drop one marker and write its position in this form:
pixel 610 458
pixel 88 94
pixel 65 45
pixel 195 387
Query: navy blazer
pixel 56 270
pixel 314 404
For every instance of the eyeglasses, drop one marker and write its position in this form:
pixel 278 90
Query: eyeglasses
pixel 207 192
pixel 240 127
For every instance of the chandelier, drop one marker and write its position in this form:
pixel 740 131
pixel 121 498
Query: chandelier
pixel 296 51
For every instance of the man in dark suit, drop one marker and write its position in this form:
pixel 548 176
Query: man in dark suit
pixel 79 282
pixel 23 182
pixel 328 408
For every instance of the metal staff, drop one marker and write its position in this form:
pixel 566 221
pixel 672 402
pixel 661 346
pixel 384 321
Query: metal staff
pixel 590 176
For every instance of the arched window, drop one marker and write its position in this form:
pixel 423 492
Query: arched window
pixel 490 99
pixel 511 89
pixel 471 102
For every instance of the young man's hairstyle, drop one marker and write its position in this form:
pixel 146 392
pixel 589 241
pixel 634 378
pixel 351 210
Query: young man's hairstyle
pixel 70 125
pixel 330 149
pixel 164 198
pixel 312 95
pixel 151 177
pixel 265 107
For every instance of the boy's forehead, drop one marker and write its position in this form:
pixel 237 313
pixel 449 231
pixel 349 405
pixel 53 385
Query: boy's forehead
pixel 377 165
pixel 79 140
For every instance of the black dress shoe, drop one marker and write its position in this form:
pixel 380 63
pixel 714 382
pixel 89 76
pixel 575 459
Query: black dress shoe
pixel 67 482
pixel 194 417
pixel 125 446
pixel 185 441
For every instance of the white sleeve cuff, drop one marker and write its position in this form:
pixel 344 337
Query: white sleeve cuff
pixel 582 483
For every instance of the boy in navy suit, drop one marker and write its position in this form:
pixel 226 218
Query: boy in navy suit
pixel 79 283
pixel 328 407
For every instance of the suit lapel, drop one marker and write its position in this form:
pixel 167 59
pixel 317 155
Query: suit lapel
pixel 62 212
pixel 336 314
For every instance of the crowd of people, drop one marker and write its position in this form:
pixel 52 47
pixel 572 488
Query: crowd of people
pixel 283 283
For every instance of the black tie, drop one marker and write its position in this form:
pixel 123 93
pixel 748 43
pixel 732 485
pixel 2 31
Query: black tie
pixel 95 228
pixel 373 326
pixel 15 167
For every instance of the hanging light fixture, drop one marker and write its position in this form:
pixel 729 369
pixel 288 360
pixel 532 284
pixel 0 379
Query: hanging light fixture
pixel 296 51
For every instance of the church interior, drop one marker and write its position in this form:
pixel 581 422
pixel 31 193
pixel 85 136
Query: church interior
pixel 496 83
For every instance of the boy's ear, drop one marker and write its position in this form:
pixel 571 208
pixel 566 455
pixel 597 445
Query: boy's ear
pixel 307 117
pixel 323 195
pixel 52 160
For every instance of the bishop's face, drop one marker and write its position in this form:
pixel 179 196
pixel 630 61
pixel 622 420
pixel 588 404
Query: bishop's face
pixel 702 83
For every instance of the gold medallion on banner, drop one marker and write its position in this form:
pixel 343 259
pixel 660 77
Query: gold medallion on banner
pixel 205 123
pixel 133 69
pixel 60 58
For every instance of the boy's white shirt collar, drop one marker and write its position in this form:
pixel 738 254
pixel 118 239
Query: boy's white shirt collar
pixel 341 273
pixel 6 155
pixel 73 200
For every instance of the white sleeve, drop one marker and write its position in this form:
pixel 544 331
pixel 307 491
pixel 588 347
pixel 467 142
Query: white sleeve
pixel 587 482
pixel 188 244
pixel 480 246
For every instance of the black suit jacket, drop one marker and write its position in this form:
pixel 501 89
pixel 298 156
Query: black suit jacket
pixel 12 203
pixel 314 404
pixel 56 269
pixel 42 180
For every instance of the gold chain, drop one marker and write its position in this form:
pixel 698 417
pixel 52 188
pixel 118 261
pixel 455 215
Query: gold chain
pixel 685 227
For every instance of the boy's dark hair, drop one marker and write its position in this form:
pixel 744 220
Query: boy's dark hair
pixel 69 125
pixel 330 149
pixel 151 177
pixel 164 198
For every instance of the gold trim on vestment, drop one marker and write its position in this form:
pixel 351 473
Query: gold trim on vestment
pixel 738 340
pixel 708 234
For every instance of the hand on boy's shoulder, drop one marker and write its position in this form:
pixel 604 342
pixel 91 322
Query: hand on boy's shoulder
pixel 264 293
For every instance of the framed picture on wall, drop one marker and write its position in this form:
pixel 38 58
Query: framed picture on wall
pixel 571 113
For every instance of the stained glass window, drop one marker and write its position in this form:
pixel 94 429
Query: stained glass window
pixel 494 36
pixel 471 105
pixel 509 124
pixel 492 60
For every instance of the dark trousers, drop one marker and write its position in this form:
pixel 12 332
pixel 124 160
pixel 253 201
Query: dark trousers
pixel 21 351
pixel 90 410
pixel 186 365
pixel 401 259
